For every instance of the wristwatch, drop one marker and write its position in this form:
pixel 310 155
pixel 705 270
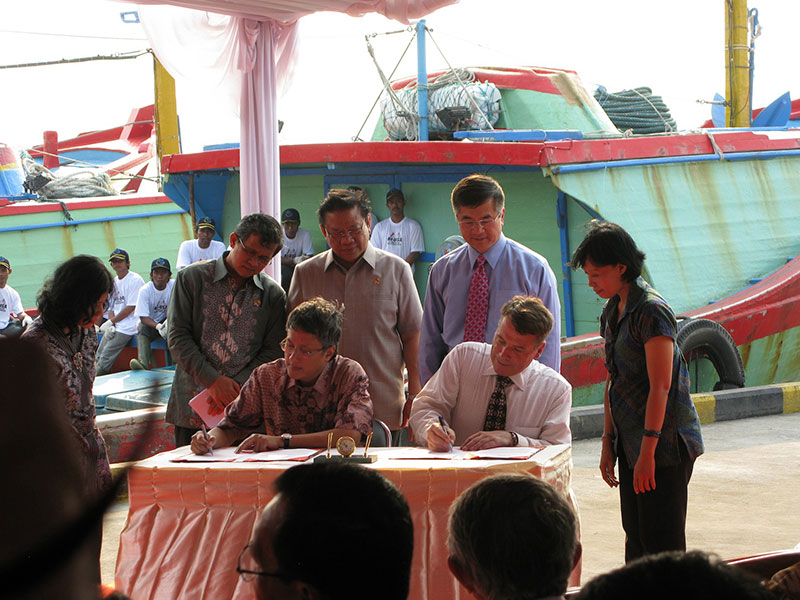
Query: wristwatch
pixel 287 438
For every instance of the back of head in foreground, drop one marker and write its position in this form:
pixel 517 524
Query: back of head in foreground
pixel 40 557
pixel 512 537
pixel 343 530
pixel 676 575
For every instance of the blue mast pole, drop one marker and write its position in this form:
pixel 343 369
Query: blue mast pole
pixel 422 83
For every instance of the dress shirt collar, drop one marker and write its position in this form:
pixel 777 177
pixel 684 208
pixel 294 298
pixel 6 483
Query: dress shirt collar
pixel 488 370
pixel 321 386
pixel 492 255
pixel 370 256
pixel 636 296
pixel 221 271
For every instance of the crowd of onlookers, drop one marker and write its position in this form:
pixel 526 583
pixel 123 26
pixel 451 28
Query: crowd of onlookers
pixel 346 344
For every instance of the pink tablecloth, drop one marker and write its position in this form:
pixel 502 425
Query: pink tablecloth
pixel 189 521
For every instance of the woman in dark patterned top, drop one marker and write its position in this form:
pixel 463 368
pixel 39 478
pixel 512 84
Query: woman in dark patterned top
pixel 650 420
pixel 70 304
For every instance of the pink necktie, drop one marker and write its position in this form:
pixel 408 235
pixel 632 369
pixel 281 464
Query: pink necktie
pixel 477 304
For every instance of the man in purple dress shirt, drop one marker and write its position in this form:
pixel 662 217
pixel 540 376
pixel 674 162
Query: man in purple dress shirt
pixel 511 268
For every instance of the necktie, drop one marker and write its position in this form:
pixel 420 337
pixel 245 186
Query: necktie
pixel 496 411
pixel 477 304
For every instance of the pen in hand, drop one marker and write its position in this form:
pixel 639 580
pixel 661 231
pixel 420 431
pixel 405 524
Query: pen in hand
pixel 205 434
pixel 444 428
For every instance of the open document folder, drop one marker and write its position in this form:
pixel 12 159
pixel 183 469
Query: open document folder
pixel 201 404
pixel 515 453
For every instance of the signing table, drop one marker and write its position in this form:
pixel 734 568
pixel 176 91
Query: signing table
pixel 188 521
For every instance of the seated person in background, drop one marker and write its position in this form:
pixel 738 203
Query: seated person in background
pixel 151 310
pixel 205 247
pixel 122 323
pixel 336 504
pixel 497 395
pixel 302 397
pixel 538 531
pixel 13 320
pixel 670 575
pixel 400 235
pixel 297 245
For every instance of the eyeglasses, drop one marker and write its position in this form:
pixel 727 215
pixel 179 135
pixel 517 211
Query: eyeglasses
pixel 253 255
pixel 246 560
pixel 353 233
pixel 289 349
pixel 483 223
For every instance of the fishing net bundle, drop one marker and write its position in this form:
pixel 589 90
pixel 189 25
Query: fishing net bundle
pixel 637 110
pixel 49 186
pixel 454 96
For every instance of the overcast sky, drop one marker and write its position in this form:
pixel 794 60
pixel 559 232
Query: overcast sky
pixel 676 48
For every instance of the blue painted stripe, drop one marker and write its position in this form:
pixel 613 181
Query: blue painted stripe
pixel 640 162
pixel 522 135
pixel 566 271
pixel 89 221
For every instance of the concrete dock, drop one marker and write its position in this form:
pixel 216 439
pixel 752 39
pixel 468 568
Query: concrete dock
pixel 743 496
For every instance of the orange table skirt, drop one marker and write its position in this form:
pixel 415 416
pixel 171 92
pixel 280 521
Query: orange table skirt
pixel 188 522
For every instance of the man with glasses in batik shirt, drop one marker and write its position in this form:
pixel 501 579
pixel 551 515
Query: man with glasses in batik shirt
pixel 379 300
pixel 225 318
pixel 468 286
pixel 301 398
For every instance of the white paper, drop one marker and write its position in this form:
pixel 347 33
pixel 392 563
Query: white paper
pixel 229 454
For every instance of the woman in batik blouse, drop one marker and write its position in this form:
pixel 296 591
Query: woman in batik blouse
pixel 70 303
pixel 650 423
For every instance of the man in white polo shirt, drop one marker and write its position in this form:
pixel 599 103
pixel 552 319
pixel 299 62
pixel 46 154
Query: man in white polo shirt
pixel 205 247
pixel 399 234
pixel 297 245
pixel 13 319
pixel 151 310
pixel 122 323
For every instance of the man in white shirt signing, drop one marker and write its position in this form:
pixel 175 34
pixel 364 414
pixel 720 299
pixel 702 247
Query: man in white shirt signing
pixel 497 395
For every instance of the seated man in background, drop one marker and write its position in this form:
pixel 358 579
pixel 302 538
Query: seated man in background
pixel 204 247
pixel 302 397
pixel 13 319
pixel 498 394
pixel 538 531
pixel 399 234
pixel 122 324
pixel 151 310
pixel 303 546
pixel 297 245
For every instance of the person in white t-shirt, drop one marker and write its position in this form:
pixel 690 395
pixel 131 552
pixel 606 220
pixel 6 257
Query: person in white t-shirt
pixel 297 245
pixel 399 234
pixel 205 247
pixel 122 323
pixel 151 310
pixel 13 320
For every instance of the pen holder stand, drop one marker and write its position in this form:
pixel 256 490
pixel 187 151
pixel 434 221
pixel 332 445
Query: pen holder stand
pixel 370 458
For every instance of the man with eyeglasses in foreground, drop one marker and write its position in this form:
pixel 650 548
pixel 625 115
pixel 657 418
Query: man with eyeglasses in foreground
pixel 468 286
pixel 302 397
pixel 489 396
pixel 305 545
pixel 225 318
pixel 379 300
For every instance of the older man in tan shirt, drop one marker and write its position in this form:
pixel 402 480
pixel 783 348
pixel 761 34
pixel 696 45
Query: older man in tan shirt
pixel 382 311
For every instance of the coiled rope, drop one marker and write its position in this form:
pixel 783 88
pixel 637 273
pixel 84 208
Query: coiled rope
pixel 637 110
pixel 76 185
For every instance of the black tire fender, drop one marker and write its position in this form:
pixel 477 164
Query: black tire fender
pixel 713 342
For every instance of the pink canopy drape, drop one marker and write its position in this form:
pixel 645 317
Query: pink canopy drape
pixel 248 45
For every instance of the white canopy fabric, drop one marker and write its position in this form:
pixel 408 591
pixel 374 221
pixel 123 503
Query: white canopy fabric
pixel 247 46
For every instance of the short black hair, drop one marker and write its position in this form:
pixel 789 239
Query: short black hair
pixel 474 190
pixel 515 535
pixel 326 502
pixel 342 200
pixel 691 576
pixel 71 294
pixel 266 227
pixel 609 244
pixel 319 318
